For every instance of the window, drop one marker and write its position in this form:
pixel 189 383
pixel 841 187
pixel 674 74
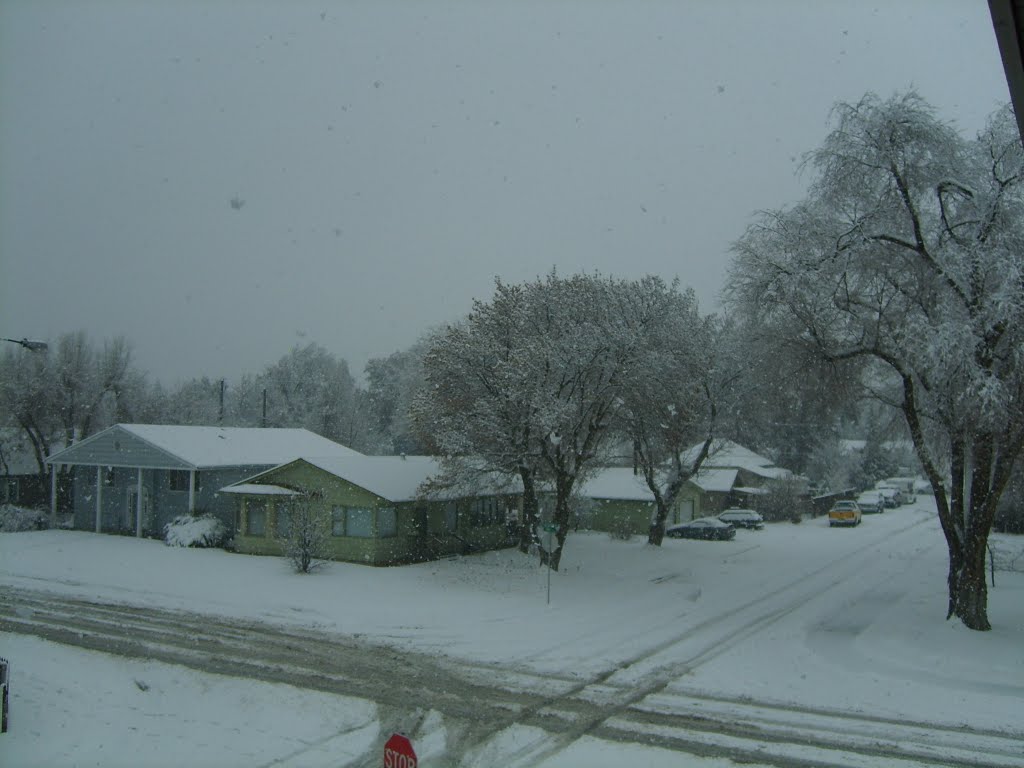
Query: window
pixel 283 521
pixel 337 521
pixel 359 522
pixel 108 476
pixel 256 520
pixel 387 523
pixel 484 512
pixel 451 517
pixel 177 479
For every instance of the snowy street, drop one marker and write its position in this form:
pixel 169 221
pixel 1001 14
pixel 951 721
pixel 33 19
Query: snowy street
pixel 796 645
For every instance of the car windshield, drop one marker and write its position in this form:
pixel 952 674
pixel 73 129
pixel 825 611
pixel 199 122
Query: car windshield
pixel 434 383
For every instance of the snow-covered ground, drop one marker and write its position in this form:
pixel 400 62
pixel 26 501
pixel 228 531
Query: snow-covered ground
pixel 802 618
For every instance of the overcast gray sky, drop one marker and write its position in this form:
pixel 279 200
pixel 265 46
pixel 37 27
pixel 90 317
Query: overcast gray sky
pixel 219 181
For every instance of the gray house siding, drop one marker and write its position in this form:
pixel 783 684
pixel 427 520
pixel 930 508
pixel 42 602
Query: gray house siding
pixel 161 504
pixel 116 447
pixel 129 468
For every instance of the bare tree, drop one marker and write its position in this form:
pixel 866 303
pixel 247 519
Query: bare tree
pixel 908 251
pixel 27 395
pixel 304 535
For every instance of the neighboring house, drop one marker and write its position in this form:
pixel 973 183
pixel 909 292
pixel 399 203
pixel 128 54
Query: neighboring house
pixel 734 476
pixel 135 478
pixel 20 481
pixel 372 508
pixel 617 500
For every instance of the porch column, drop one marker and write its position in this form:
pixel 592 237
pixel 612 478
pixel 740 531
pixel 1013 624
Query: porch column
pixel 138 505
pixel 99 499
pixel 53 494
pixel 191 491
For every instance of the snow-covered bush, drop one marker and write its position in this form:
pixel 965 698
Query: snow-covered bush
pixel 201 530
pixel 784 499
pixel 14 519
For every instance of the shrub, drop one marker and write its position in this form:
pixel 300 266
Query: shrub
pixel 14 519
pixel 304 535
pixel 200 530
pixel 784 499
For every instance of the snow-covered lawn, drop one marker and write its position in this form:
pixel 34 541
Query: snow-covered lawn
pixel 839 620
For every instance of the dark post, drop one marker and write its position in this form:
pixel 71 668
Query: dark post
pixel 264 422
pixel 5 678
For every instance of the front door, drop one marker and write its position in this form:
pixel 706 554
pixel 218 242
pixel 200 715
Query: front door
pixel 682 512
pixel 131 504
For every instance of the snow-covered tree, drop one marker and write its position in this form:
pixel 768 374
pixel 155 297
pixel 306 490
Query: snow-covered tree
pixel 309 387
pixel 391 386
pixel 194 402
pixel 84 378
pixel 676 383
pixel 479 399
pixel 531 383
pixel 908 252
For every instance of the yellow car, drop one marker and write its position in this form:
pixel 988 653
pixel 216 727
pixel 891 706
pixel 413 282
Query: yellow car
pixel 844 513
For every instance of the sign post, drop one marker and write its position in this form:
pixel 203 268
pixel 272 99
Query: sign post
pixel 398 752
pixel 5 679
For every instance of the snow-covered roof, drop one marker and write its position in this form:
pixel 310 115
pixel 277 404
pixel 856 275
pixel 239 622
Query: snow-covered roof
pixel 772 473
pixel 715 480
pixel 751 491
pixel 237 446
pixel 726 453
pixel 394 478
pixel 616 483
pixel 260 490
pixel 202 447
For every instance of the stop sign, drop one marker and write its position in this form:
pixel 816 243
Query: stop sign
pixel 398 753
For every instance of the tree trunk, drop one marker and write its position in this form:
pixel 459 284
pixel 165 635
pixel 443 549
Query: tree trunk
pixel 527 531
pixel 563 490
pixel 656 534
pixel 968 592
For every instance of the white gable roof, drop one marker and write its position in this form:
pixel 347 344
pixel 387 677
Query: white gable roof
pixel 716 480
pixel 236 446
pixel 197 447
pixel 617 483
pixel 395 478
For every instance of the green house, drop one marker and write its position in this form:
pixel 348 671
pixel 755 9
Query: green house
pixel 373 509
pixel 617 500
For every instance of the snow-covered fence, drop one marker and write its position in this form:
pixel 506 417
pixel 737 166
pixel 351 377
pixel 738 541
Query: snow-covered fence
pixel 1005 555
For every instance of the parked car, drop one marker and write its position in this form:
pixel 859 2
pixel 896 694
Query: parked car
pixel 906 486
pixel 893 497
pixel 871 502
pixel 742 518
pixel 702 528
pixel 844 513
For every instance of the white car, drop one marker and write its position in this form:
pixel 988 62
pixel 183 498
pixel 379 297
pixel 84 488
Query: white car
pixel 742 518
pixel 893 497
pixel 871 502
